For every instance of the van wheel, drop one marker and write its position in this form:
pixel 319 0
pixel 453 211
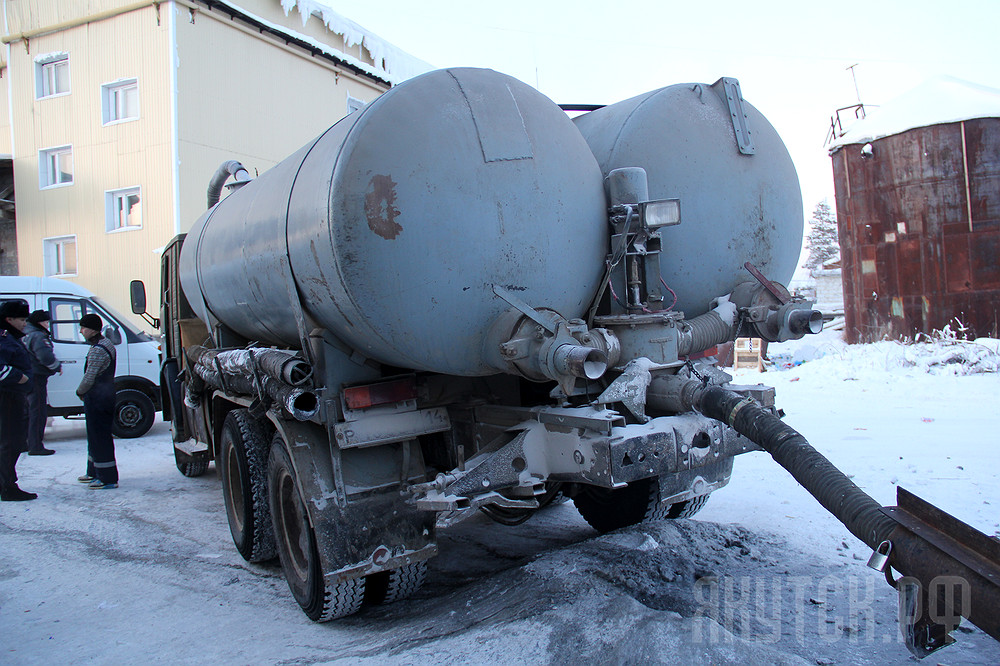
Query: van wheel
pixel 134 413
pixel 320 600
pixel 243 466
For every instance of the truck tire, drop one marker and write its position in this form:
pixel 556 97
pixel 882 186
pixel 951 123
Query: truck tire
pixel 608 509
pixel 243 450
pixel 188 466
pixel 386 587
pixel 687 508
pixel 134 413
pixel 297 550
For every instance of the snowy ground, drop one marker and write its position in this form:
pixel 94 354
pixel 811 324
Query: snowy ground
pixel 762 576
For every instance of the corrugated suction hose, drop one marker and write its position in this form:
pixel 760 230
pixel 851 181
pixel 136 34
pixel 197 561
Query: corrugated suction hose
pixel 852 506
pixel 861 514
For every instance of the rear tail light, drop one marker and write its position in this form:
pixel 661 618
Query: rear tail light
pixel 383 393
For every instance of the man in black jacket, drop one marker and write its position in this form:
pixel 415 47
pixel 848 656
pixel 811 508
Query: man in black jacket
pixel 97 390
pixel 44 364
pixel 15 383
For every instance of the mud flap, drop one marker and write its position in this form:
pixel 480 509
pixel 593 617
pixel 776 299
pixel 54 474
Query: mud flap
pixel 359 535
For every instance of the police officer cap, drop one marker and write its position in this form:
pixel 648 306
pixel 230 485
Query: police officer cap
pixel 13 310
pixel 38 316
pixel 91 321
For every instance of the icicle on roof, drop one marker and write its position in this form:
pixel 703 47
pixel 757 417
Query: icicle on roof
pixel 940 100
pixel 399 65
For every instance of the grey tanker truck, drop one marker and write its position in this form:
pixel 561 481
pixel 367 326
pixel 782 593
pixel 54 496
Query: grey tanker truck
pixel 458 299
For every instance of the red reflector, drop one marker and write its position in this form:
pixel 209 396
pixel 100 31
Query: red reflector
pixel 362 397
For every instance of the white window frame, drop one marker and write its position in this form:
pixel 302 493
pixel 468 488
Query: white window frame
pixel 111 102
pixel 49 175
pixel 54 256
pixel 113 209
pixel 46 68
pixel 354 104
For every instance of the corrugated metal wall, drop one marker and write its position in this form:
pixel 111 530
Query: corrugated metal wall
pixel 239 96
pixel 919 225
pixel 127 154
pixel 244 96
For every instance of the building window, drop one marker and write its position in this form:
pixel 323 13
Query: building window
pixel 59 256
pixel 120 101
pixel 52 75
pixel 354 104
pixel 55 166
pixel 123 209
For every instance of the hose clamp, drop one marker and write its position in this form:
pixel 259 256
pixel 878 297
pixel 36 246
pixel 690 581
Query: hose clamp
pixel 731 417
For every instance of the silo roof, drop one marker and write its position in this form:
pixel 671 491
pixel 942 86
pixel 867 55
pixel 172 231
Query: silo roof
pixel 938 101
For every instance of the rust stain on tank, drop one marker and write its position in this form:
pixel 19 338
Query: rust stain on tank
pixel 380 207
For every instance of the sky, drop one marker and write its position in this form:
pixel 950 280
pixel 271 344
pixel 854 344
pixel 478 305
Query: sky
pixel 791 57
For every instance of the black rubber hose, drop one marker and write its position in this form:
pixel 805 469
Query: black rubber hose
pixel 839 495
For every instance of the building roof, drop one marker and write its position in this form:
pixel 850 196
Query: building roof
pixel 938 101
pixel 392 63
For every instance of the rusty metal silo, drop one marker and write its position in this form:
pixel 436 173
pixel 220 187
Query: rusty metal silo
pixel 918 208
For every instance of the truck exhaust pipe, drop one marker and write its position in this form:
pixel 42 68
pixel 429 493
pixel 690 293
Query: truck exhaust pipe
pixel 950 570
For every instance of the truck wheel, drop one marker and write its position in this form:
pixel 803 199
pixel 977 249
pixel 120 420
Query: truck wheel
pixel 297 547
pixel 189 467
pixel 606 509
pixel 386 587
pixel 242 465
pixel 687 508
pixel 134 413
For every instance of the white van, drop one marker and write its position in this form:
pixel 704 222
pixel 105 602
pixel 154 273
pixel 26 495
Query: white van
pixel 138 367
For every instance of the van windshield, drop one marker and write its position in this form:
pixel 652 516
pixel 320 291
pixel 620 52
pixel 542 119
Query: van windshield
pixel 142 336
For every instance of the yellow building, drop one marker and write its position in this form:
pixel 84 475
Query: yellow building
pixel 114 114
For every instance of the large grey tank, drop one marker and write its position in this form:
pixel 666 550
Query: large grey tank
pixel 395 224
pixel 738 190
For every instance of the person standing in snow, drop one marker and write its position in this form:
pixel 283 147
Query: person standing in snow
pixel 15 383
pixel 97 390
pixel 44 364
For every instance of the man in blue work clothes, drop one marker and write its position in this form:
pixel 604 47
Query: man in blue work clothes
pixel 97 390
pixel 15 384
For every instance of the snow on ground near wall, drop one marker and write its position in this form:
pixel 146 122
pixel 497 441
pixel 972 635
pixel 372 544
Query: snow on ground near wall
pixel 148 571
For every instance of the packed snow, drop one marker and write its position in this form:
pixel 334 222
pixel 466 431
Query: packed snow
pixel 762 575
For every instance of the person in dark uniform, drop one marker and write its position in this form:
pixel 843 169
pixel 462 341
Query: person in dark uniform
pixel 97 390
pixel 15 384
pixel 44 364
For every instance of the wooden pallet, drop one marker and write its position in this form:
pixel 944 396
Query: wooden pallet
pixel 747 353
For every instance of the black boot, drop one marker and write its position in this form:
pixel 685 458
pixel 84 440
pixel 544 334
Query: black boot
pixel 41 452
pixel 15 494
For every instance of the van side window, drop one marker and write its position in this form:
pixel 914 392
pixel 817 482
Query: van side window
pixel 66 315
